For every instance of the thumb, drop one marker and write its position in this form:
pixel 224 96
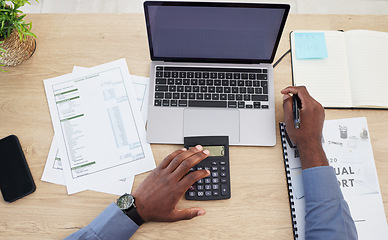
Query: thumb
pixel 189 213
pixel 287 109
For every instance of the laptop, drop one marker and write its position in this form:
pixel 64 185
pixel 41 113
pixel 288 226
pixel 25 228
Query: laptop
pixel 211 72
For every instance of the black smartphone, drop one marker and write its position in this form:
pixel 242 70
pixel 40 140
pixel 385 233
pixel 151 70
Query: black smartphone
pixel 15 177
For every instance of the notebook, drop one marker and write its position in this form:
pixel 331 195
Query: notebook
pixel 352 73
pixel 211 71
pixel 348 149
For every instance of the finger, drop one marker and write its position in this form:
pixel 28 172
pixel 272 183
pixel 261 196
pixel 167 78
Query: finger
pixel 182 156
pixel 170 157
pixel 302 92
pixel 186 214
pixel 190 162
pixel 289 89
pixel 189 179
pixel 287 110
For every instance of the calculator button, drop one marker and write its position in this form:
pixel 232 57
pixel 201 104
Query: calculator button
pixel 223 174
pixel 191 194
pixel 224 190
pixel 200 194
pixel 208 193
pixel 214 168
pixel 214 163
pixel 214 174
pixel 200 187
pixel 222 168
pixel 215 180
pixel 215 186
pixel 207 180
pixel 223 180
pixel 215 193
pixel 192 188
pixel 208 187
pixel 222 162
pixel 200 181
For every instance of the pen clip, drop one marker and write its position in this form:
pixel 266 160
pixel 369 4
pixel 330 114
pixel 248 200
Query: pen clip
pixel 296 105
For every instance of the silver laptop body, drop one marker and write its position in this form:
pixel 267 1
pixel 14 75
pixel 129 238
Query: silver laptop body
pixel 189 46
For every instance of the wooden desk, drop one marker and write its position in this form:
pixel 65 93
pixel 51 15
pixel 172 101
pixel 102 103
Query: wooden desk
pixel 259 207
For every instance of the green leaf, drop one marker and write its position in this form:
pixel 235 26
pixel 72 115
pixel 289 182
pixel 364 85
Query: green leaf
pixel 21 17
pixel 11 17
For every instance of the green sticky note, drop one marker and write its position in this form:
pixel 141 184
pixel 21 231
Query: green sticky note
pixel 310 45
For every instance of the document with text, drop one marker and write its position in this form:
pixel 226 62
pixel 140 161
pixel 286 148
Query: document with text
pixel 53 169
pixel 348 148
pixel 53 172
pixel 99 127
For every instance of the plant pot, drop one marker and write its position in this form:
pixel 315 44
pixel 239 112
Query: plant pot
pixel 17 51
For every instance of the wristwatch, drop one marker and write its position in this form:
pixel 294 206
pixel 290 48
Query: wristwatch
pixel 127 204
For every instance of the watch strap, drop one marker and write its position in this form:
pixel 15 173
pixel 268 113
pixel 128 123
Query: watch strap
pixel 134 215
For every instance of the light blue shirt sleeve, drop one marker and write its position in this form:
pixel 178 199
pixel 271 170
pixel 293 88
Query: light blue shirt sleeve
pixel 112 223
pixel 327 213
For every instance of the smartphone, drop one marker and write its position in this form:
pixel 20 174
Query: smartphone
pixel 15 177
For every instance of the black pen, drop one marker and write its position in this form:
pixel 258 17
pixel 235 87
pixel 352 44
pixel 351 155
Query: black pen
pixel 295 109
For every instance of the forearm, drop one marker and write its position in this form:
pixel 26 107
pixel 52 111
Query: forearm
pixel 312 155
pixel 327 213
pixel 112 223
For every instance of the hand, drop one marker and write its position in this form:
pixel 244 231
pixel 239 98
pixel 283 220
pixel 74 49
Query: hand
pixel 157 196
pixel 308 137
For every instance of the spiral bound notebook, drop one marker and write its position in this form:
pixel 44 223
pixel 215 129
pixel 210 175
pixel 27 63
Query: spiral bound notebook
pixel 349 151
pixel 294 176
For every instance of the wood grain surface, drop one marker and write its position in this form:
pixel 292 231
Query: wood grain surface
pixel 259 207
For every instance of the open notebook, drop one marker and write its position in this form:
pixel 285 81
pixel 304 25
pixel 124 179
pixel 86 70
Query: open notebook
pixel 348 149
pixel 353 75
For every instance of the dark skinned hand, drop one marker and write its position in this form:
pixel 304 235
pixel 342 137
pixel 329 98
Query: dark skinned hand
pixel 157 196
pixel 308 137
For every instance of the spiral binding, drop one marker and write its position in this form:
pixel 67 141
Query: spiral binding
pixel 289 185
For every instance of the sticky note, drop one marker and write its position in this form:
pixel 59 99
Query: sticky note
pixel 310 45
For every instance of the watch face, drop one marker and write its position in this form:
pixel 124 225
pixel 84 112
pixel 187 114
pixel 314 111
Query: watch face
pixel 125 201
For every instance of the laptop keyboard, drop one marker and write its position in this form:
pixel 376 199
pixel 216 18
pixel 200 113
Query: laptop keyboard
pixel 211 87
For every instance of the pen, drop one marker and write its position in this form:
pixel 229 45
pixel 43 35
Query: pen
pixel 295 109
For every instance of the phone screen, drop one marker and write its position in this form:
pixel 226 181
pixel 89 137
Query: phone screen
pixel 15 177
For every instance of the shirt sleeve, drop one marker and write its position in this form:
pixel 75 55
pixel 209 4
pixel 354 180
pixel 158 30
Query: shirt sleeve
pixel 112 223
pixel 327 213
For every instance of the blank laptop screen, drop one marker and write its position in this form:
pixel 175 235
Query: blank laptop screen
pixel 232 33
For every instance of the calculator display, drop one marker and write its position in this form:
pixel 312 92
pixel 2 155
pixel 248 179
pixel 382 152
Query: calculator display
pixel 215 151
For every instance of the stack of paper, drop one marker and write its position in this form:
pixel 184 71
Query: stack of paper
pixel 99 117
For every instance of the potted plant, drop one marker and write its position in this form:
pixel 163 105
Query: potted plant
pixel 17 42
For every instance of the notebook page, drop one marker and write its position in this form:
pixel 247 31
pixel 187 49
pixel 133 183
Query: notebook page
pixel 327 78
pixel 368 67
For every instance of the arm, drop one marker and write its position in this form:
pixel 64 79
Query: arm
pixel 156 198
pixel 112 223
pixel 327 213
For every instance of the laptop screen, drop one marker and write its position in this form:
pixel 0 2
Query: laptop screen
pixel 214 32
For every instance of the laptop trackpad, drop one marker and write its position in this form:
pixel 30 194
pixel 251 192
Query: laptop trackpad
pixel 212 122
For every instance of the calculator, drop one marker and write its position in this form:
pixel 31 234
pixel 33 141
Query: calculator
pixel 217 185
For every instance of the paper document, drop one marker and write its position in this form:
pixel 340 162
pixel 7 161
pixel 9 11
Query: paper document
pixel 141 89
pixel 348 149
pixel 53 172
pixel 53 168
pixel 100 131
